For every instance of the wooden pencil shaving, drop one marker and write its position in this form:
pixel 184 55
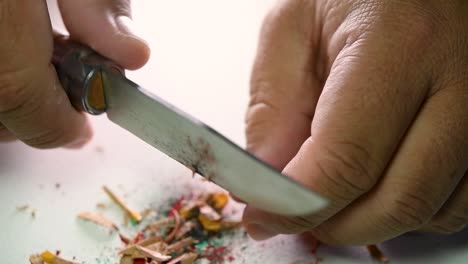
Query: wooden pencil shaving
pixel 155 226
pixel 134 215
pixel 176 227
pixel 48 257
pixel 22 208
pixel 98 219
pixel 101 206
pixel 147 212
pixel 185 228
pixel 180 245
pixel 137 251
pixel 377 254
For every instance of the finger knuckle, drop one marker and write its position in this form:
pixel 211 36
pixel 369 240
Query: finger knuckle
pixel 408 211
pixel 349 167
pixel 453 223
pixel 259 114
pixel 45 139
pixel 14 92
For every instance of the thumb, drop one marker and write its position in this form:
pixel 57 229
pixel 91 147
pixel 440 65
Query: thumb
pixel 105 26
pixel 284 90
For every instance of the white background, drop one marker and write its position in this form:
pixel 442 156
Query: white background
pixel 201 61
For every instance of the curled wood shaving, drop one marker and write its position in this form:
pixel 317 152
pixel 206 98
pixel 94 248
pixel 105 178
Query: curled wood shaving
pixel 158 246
pixel 164 222
pixel 176 227
pixel 98 219
pixel 152 254
pixel 187 258
pixel 179 245
pixel 126 240
pixel 144 243
pixel 134 215
pixel 149 241
pixel 375 252
pixel 185 228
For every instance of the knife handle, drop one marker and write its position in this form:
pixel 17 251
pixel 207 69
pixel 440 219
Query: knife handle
pixel 80 70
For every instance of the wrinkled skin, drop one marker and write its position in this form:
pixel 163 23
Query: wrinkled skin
pixel 365 102
pixel 33 106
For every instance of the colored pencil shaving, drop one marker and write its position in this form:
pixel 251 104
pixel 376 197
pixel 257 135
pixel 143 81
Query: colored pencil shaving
pixel 134 215
pixel 377 254
pixel 48 257
pixel 98 219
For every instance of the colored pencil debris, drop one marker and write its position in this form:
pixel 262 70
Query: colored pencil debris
pixel 186 230
pixel 26 208
pixel 134 215
pixel 377 254
pixel 98 219
pixel 48 257
pixel 189 229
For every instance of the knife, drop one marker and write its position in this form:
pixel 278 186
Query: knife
pixel 96 85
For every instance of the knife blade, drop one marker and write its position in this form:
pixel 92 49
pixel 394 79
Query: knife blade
pixel 97 85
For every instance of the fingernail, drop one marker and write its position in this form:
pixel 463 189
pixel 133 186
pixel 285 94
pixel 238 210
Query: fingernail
pixel 126 26
pixel 258 232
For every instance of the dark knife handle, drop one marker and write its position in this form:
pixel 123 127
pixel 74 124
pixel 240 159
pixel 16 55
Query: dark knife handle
pixel 80 70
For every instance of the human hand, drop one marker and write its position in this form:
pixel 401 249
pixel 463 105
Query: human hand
pixel 33 106
pixel 365 102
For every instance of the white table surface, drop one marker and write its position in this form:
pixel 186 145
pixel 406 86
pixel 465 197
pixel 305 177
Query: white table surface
pixel 201 61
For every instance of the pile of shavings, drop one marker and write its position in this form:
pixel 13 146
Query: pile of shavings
pixel 191 229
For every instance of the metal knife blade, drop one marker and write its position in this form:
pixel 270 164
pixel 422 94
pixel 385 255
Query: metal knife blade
pixel 203 150
pixel 96 85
